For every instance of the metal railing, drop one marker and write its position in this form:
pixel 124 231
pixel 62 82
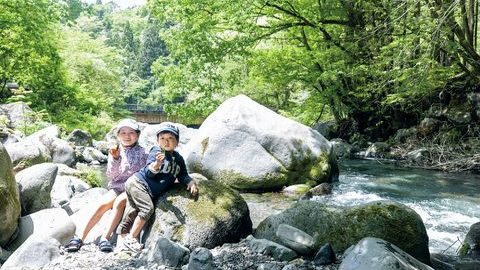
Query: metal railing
pixel 142 108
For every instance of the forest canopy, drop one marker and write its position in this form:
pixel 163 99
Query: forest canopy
pixel 372 66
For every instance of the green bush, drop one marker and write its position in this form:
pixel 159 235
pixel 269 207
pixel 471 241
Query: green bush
pixel 91 176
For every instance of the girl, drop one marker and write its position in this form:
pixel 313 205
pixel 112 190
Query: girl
pixel 123 160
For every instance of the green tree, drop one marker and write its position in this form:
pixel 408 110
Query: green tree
pixel 368 64
pixel 28 52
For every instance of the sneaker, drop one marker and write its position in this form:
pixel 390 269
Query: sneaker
pixel 132 244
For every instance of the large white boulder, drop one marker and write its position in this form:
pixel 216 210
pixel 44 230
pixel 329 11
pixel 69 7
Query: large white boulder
pixel 250 147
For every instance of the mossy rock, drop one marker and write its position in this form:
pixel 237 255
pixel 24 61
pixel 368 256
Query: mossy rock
pixel 471 245
pixel 217 216
pixel 9 198
pixel 252 148
pixel 343 227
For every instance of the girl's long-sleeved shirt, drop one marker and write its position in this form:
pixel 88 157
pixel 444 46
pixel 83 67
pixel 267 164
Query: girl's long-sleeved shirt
pixel 173 167
pixel 130 161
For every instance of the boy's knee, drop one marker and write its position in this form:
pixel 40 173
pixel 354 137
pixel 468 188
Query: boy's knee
pixel 146 214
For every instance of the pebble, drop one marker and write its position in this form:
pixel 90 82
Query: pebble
pixel 231 256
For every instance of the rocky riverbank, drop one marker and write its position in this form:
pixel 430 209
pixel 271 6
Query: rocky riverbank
pixel 232 256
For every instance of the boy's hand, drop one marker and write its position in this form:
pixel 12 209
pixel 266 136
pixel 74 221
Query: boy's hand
pixel 159 158
pixel 192 186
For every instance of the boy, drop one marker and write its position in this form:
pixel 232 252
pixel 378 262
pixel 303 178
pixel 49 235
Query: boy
pixel 164 165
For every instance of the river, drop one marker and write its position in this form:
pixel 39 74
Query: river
pixel 448 203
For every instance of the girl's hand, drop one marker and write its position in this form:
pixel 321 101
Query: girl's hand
pixel 114 151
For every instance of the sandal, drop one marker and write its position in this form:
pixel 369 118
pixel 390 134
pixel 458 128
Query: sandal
pixel 105 246
pixel 74 245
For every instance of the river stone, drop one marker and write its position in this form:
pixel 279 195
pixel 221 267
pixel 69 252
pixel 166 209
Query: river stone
pixel 325 255
pixel 377 254
pixel 65 187
pixel 168 253
pixel 9 198
pixel 471 245
pixel 219 215
pixel 345 226
pixel 60 150
pixel 295 239
pixel 27 153
pixel 19 114
pixel 270 248
pixel 35 186
pixel 201 259
pixel 51 222
pixel 295 190
pixel 250 147
pixel 35 253
pixel 80 138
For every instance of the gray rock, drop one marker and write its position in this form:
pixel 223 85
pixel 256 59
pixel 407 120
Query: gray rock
pixel 9 198
pixel 51 131
pixel 326 128
pixel 201 259
pixel 60 151
pixel 417 155
pixel 65 187
pixel 295 239
pixel 467 264
pixel 218 215
pixel 35 253
pixel 428 126
pixel 90 154
pixel 35 186
pixel 89 197
pixel 325 255
pixel 377 150
pixel 54 223
pixel 166 252
pixel 80 138
pixel 377 254
pixel 471 244
pixel 102 146
pixel 269 266
pixel 345 226
pixel 27 153
pixel 19 114
pixel 342 149
pixel 270 248
pixel 474 99
pixel 322 189
pixel 402 135
pixel 249 147
pixel 8 136
pixel 295 190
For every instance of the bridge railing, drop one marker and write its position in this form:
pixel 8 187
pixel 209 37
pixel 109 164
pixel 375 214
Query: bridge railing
pixel 142 108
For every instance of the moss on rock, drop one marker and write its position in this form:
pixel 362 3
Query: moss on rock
pixel 343 227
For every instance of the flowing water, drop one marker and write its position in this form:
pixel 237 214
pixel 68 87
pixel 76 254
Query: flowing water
pixel 447 203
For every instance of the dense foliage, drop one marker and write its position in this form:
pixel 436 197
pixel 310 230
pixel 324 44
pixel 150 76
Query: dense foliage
pixel 373 66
